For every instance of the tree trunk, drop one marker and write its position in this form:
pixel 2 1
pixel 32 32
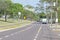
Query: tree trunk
pixel 5 16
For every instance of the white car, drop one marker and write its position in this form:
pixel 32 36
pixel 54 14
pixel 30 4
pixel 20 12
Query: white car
pixel 44 21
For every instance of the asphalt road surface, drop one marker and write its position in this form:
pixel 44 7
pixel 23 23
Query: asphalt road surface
pixel 34 31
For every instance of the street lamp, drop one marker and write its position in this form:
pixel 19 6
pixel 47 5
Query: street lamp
pixel 19 14
pixel 56 12
pixel 55 5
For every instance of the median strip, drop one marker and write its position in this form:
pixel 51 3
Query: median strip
pixel 18 25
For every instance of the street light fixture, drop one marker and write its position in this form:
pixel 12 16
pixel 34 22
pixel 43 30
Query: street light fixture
pixel 19 14
pixel 56 12
pixel 54 3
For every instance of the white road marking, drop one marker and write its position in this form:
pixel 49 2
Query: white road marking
pixel 21 30
pixel 53 29
pixel 27 28
pixel 1 38
pixel 37 34
pixel 6 36
pixel 24 30
pixel 12 34
pixel 34 39
pixel 16 32
pixel 58 34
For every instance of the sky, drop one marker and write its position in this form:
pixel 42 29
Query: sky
pixel 26 2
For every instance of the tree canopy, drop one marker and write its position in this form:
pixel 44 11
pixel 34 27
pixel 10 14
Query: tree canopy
pixel 8 7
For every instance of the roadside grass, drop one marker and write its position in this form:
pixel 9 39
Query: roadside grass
pixel 13 24
pixel 56 28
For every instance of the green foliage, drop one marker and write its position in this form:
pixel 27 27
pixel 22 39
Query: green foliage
pixel 7 7
pixel 57 6
pixel 42 15
pixel 29 6
pixel 28 14
pixel 15 8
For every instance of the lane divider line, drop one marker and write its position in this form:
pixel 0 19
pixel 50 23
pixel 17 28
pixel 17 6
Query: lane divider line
pixel 37 34
pixel 12 34
pixel 34 39
pixel 6 36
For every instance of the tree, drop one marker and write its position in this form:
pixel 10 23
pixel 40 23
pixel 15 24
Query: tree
pixel 7 7
pixel 15 8
pixel 29 6
pixel 56 8
pixel 4 5
pixel 40 6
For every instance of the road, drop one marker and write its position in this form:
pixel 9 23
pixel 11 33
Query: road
pixel 34 31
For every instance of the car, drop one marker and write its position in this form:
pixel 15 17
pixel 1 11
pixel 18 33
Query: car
pixel 44 21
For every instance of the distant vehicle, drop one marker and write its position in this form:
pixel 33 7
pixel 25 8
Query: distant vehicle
pixel 44 21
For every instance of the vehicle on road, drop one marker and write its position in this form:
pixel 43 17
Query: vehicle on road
pixel 44 20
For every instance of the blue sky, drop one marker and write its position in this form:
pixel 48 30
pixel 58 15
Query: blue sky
pixel 26 2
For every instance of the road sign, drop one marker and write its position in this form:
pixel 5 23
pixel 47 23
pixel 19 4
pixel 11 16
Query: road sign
pixel 24 17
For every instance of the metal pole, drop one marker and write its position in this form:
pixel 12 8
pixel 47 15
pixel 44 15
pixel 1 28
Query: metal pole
pixel 51 19
pixel 56 13
pixel 51 16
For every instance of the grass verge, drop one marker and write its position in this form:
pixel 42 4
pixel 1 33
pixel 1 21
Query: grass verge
pixel 8 25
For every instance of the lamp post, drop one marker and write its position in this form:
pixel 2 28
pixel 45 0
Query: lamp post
pixel 56 11
pixel 51 15
pixel 19 14
pixel 55 5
